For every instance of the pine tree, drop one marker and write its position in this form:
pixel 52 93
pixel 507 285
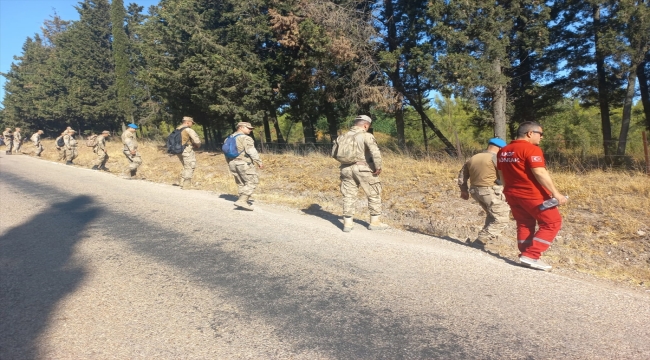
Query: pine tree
pixel 120 47
pixel 480 42
pixel 83 71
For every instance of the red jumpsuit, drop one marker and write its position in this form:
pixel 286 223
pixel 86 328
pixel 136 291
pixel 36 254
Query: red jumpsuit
pixel 525 194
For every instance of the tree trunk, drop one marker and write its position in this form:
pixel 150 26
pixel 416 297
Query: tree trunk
pixel 449 147
pixel 603 91
pixel 499 104
pixel 394 75
pixel 308 131
pixel 645 93
pixel 424 137
pixel 332 123
pixel 267 128
pixel 206 137
pixel 627 112
pixel 399 124
pixel 273 116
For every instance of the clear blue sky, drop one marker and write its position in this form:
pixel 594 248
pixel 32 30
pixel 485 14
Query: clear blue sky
pixel 22 18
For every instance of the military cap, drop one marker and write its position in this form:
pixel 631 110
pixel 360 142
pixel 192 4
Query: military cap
pixel 245 124
pixel 363 118
pixel 497 142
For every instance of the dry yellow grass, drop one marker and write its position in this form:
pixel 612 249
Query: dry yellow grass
pixel 606 229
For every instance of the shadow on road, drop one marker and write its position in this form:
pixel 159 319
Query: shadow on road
pixel 325 317
pixel 460 242
pixel 317 210
pixel 36 273
pixel 228 197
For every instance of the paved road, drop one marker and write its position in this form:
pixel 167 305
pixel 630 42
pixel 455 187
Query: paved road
pixel 96 267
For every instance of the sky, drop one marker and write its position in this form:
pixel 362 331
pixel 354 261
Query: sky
pixel 22 18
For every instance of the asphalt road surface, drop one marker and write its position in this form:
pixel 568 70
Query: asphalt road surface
pixel 96 267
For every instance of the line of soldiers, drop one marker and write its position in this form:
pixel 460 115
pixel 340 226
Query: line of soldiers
pixel 13 140
pixel 503 178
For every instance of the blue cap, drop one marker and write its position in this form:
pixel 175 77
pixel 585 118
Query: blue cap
pixel 133 126
pixel 497 142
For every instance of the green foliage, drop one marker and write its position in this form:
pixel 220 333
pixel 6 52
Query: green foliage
pixel 320 63
pixel 120 46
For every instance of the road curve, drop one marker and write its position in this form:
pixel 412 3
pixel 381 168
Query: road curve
pixel 96 267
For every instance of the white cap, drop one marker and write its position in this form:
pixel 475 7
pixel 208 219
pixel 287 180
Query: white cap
pixel 364 118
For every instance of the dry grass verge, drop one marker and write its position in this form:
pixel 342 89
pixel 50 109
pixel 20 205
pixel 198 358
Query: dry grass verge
pixel 606 231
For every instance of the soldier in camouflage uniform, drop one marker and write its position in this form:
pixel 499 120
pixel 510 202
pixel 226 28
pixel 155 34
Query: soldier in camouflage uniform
pixel 18 141
pixel 8 138
pixel 242 167
pixel 363 173
pixel 100 150
pixel 487 190
pixel 190 141
pixel 131 150
pixel 60 149
pixel 70 146
pixel 36 139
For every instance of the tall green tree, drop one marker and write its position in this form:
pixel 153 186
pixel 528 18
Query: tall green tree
pixel 479 43
pixel 408 58
pixel 83 74
pixel 120 46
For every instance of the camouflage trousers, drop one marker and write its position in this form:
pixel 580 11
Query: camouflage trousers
pixel 9 145
pixel 71 154
pixel 17 145
pixel 101 159
pixel 494 203
pixel 134 160
pixel 245 176
pixel 358 176
pixel 188 159
pixel 61 153
pixel 38 149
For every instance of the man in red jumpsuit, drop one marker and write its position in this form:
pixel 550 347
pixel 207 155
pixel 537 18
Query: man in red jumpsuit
pixel 527 184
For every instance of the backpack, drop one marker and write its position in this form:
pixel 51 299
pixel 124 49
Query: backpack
pixel 346 148
pixel 91 141
pixel 60 142
pixel 175 141
pixel 229 147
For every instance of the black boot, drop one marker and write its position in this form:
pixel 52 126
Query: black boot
pixel 103 168
pixel 68 163
pixel 8 152
pixel 133 172
pixel 95 167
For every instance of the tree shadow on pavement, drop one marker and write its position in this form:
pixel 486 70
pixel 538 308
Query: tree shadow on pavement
pixel 316 314
pixel 36 272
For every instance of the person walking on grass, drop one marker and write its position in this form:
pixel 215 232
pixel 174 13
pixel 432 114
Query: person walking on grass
pixel 241 155
pixel 70 147
pixel 487 190
pixel 8 138
pixel 360 159
pixel 190 140
pixel 527 184
pixel 36 139
pixel 60 146
pixel 100 150
pixel 18 141
pixel 131 151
